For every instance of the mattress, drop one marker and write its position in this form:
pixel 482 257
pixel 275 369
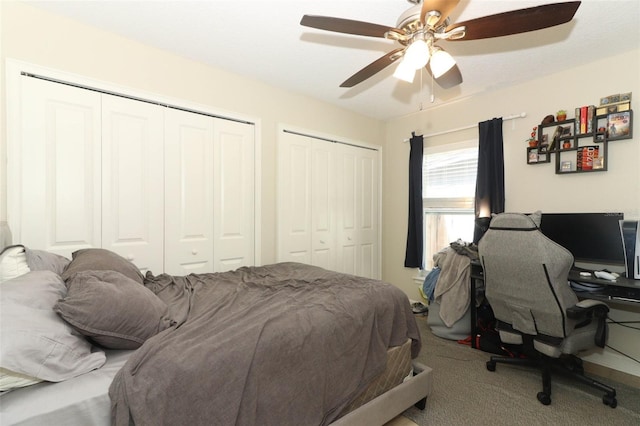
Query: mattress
pixel 84 400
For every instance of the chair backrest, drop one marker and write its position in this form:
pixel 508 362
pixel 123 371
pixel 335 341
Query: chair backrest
pixel 526 276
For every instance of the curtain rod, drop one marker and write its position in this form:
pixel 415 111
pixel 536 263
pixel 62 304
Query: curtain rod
pixel 471 126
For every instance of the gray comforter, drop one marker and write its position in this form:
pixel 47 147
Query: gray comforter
pixel 285 344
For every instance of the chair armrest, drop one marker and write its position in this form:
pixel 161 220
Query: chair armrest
pixel 589 309
pixel 586 308
pixel 588 303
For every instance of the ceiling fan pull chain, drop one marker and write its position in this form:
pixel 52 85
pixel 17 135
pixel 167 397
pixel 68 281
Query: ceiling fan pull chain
pixel 421 90
pixel 433 98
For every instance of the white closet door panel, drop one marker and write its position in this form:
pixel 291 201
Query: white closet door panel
pixel 347 216
pixel 133 173
pixel 358 213
pixel 323 224
pixel 328 196
pixel 188 193
pixel 367 208
pixel 294 198
pixel 59 170
pixel 234 203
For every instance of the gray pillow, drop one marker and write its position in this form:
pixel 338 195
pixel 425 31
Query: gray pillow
pixel 112 310
pixel 40 260
pixel 35 341
pixel 97 259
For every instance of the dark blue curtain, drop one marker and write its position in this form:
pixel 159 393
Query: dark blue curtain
pixel 490 179
pixel 414 253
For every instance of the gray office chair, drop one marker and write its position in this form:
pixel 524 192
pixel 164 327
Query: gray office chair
pixel 526 281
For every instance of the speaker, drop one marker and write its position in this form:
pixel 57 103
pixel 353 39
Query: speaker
pixel 630 230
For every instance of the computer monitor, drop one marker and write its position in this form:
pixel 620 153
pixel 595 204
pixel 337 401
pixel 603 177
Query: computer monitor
pixel 594 239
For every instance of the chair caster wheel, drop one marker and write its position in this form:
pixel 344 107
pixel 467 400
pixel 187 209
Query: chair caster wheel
pixel 491 365
pixel 609 400
pixel 544 398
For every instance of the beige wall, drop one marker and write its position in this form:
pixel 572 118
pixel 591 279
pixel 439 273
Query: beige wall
pixel 37 37
pixel 528 187
pixel 34 36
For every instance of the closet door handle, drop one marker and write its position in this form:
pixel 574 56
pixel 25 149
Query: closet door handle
pixel 194 252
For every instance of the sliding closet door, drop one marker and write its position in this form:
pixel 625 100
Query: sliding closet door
pixel 55 195
pixel 358 210
pixel 323 204
pixel 367 210
pixel 347 207
pixel 328 205
pixel 209 190
pixel 133 181
pixel 234 195
pixel 294 198
pixel 188 193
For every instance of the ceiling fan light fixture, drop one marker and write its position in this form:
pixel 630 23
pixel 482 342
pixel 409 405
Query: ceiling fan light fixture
pixel 427 22
pixel 432 18
pixel 405 72
pixel 441 62
pixel 417 54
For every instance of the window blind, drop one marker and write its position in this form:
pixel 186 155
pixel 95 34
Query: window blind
pixel 450 175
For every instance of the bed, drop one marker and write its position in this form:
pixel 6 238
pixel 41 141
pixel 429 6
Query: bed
pixel 272 345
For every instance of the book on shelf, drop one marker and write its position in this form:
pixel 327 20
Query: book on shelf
pixel 618 124
pixel 584 119
pixel 591 110
pixel 585 156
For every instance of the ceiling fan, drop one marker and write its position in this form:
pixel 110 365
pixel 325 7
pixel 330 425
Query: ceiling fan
pixel 420 28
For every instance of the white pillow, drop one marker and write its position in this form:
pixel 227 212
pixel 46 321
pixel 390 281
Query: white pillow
pixel 13 263
pixel 35 341
pixel 10 380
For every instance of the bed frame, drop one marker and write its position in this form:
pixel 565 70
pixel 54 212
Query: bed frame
pixel 394 402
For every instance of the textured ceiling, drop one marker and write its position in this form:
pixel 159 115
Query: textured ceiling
pixel 264 40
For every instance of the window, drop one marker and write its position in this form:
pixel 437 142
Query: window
pixel 448 189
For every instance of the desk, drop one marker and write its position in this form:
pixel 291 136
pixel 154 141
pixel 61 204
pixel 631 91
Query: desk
pixel 622 290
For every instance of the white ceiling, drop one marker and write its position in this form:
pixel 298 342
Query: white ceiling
pixel 264 40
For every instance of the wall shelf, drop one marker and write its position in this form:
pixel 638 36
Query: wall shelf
pixel 580 152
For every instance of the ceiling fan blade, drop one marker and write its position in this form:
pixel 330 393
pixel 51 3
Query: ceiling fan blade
pixel 346 26
pixel 518 21
pixel 449 79
pixel 373 68
pixel 445 7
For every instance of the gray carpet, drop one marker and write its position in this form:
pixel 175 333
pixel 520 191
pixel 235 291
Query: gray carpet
pixel 466 393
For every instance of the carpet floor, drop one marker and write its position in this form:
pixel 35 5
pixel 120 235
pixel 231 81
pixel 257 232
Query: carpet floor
pixel 466 393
